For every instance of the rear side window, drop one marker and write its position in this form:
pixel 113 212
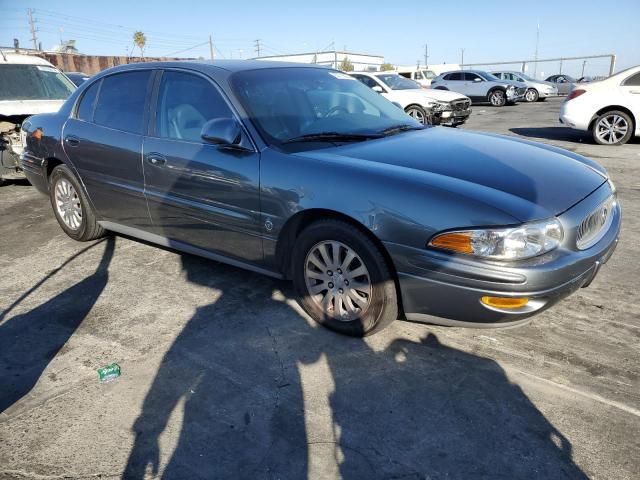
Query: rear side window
pixel 120 104
pixel 85 109
pixel 633 81
pixel 454 76
pixel 185 103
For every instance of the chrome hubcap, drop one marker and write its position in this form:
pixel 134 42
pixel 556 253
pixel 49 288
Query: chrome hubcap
pixel 68 204
pixel 496 98
pixel 531 95
pixel 417 114
pixel 337 280
pixel 612 129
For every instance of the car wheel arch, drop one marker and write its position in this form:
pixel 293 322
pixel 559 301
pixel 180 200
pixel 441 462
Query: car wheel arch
pixel 294 226
pixel 609 108
pixel 49 164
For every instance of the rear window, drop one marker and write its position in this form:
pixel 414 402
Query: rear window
pixel 120 104
pixel 33 82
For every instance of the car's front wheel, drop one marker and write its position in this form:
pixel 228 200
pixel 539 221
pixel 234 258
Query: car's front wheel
pixel 531 95
pixel 342 279
pixel 71 207
pixel 419 114
pixel 497 98
pixel 612 128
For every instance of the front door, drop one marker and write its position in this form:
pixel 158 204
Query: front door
pixel 200 193
pixel 103 140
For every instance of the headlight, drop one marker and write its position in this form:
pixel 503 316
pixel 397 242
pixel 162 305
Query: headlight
pixel 515 243
pixel 441 106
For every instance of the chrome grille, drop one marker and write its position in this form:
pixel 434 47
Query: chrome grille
pixel 459 105
pixel 596 225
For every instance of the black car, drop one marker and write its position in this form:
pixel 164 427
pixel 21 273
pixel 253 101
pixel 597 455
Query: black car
pixel 78 78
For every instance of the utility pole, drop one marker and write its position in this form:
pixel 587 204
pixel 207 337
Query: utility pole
pixel 32 26
pixel 560 65
pixel 257 42
pixel 461 57
pixel 426 55
pixel 535 56
pixel 584 63
pixel 211 47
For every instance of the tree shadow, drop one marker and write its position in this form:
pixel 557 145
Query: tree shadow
pixel 415 409
pixel 29 341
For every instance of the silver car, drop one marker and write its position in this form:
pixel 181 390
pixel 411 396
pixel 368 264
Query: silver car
pixel 480 86
pixel 537 90
pixel 564 83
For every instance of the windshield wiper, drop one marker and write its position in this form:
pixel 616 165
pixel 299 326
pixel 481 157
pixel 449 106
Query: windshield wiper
pixel 333 137
pixel 399 128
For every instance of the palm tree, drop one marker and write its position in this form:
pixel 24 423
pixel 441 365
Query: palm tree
pixel 140 41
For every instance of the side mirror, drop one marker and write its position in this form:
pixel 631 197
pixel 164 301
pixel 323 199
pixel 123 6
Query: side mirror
pixel 221 131
pixel 377 88
pixel 477 79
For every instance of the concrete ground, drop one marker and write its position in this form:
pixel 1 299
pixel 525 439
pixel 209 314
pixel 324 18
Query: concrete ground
pixel 224 377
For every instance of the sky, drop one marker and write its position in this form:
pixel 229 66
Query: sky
pixel 487 30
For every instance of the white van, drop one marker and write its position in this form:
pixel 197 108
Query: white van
pixel 28 85
pixel 424 75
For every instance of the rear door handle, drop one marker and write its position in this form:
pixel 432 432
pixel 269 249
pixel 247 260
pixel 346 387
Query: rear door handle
pixel 72 140
pixel 156 159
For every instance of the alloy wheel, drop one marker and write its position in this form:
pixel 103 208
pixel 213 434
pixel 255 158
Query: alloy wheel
pixel 337 280
pixel 531 95
pixel 417 115
pixel 497 98
pixel 68 204
pixel 612 129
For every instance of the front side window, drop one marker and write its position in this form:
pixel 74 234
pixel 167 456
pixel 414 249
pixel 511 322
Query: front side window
pixel 286 104
pixel 120 104
pixel 633 81
pixel 419 76
pixel 456 76
pixel 33 82
pixel 470 77
pixel 396 82
pixel 185 103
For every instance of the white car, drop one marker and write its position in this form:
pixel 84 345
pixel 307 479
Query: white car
pixel 609 109
pixel 28 85
pixel 444 107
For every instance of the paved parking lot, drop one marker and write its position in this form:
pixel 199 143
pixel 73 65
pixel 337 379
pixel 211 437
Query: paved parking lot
pixel 224 377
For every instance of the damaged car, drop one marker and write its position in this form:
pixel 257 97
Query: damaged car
pixel 29 85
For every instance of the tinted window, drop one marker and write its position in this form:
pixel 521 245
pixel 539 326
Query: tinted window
pixel 470 77
pixel 368 81
pixel 121 101
pixel 85 109
pixel 454 76
pixel 33 82
pixel 633 81
pixel 418 76
pixel 185 103
pixel 499 75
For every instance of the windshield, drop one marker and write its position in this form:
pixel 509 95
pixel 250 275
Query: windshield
pixel 33 82
pixel 288 103
pixel 396 82
pixel 526 77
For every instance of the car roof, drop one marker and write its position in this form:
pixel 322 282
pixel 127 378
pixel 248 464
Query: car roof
pixel 13 58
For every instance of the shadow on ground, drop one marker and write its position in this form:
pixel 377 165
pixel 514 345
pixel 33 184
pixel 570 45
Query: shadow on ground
pixel 413 410
pixel 564 134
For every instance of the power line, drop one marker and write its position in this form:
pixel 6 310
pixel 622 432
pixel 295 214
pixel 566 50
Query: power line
pixel 186 49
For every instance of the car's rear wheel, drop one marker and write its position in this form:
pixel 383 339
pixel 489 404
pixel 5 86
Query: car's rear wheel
pixel 497 98
pixel 612 128
pixel 419 114
pixel 342 279
pixel 531 95
pixel 71 207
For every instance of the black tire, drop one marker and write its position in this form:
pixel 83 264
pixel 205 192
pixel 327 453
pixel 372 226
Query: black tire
pixel 598 129
pixel 531 95
pixel 441 88
pixel 88 228
pixel 497 98
pixel 418 113
pixel 382 306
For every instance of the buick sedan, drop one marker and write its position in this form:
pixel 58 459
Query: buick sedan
pixel 303 173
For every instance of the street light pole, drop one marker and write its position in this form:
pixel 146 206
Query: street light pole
pixel 462 57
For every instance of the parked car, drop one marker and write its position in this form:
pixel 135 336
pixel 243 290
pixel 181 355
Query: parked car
pixel 609 109
pixel 427 106
pixel 481 86
pixel 422 76
pixel 28 85
pixel 301 172
pixel 78 78
pixel 537 90
pixel 564 83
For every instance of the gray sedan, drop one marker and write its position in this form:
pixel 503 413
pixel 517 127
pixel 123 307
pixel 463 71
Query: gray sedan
pixel 303 173
pixel 565 83
pixel 537 90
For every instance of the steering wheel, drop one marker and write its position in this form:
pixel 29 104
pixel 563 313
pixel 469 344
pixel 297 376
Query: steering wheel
pixel 336 109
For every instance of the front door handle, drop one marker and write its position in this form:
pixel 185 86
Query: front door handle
pixel 156 159
pixel 72 140
pixel 635 91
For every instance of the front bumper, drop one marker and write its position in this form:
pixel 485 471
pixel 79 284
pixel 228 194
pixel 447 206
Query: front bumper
pixel 452 118
pixel 446 289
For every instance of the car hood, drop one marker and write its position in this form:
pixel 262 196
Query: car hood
pixel 29 107
pixel 527 180
pixel 432 94
pixel 514 83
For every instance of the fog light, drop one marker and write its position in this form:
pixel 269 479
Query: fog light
pixel 504 302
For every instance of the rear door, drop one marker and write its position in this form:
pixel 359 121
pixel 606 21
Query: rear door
pixel 103 140
pixel 631 89
pixel 455 82
pixel 200 193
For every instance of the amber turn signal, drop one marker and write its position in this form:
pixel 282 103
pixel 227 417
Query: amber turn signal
pixel 504 302
pixel 455 241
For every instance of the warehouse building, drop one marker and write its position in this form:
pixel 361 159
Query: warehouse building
pixel 361 62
